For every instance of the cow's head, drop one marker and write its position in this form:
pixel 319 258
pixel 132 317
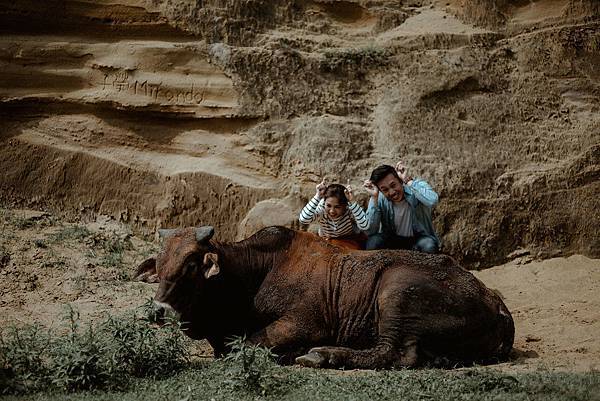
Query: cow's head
pixel 183 266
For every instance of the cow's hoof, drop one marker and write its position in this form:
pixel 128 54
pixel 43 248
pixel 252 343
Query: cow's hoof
pixel 312 360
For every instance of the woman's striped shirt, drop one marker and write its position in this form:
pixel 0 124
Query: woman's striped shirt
pixel 334 228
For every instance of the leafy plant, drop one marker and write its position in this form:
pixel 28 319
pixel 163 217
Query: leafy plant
pixel 114 247
pixel 87 356
pixel 77 233
pixel 252 367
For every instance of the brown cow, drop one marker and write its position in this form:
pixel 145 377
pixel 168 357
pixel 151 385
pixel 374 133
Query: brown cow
pixel 291 291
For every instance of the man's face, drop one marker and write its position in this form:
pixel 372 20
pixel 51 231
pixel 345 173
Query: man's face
pixel 391 188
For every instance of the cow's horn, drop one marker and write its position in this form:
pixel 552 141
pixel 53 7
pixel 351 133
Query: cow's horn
pixel 166 232
pixel 204 233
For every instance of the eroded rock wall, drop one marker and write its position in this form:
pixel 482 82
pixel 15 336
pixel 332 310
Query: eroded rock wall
pixel 183 112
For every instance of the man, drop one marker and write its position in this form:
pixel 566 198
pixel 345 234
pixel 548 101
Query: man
pixel 401 218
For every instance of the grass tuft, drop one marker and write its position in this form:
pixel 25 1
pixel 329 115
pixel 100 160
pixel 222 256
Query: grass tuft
pixel 89 356
pixel 252 368
pixel 72 233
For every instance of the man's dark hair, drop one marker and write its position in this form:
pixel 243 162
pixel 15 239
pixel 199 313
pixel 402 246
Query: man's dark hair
pixel 381 172
pixel 337 191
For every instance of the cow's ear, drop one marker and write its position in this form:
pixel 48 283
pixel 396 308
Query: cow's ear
pixel 210 260
pixel 146 271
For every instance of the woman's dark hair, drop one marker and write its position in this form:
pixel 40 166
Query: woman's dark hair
pixel 381 172
pixel 337 191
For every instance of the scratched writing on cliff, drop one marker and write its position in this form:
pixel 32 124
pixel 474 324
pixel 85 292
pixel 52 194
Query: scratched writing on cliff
pixel 123 83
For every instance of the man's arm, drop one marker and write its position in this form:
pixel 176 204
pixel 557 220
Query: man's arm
pixel 423 192
pixel 420 188
pixel 373 210
pixel 373 216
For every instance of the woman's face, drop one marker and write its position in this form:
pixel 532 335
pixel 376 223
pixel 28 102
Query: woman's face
pixel 334 208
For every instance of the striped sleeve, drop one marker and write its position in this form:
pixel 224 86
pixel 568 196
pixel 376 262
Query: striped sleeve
pixel 311 211
pixel 359 216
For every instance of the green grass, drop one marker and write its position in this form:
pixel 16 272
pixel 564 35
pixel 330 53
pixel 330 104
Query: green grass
pixel 114 248
pixel 105 355
pixel 71 233
pixel 106 249
pixel 212 380
pixel 126 359
pixel 21 222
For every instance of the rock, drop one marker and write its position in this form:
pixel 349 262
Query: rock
pixel 270 212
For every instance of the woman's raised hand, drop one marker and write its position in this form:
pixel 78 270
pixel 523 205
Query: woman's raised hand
pixel 321 187
pixel 348 192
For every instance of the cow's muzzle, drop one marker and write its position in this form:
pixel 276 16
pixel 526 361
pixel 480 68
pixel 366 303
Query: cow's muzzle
pixel 163 313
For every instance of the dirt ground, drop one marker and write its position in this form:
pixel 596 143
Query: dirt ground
pixel 46 263
pixel 556 307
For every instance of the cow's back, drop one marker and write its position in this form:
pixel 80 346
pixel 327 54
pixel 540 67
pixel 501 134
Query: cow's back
pixel 458 316
pixel 339 295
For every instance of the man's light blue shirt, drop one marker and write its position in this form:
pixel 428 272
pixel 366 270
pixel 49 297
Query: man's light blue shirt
pixel 421 198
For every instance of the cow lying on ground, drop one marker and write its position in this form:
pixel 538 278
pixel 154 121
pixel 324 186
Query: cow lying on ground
pixel 292 291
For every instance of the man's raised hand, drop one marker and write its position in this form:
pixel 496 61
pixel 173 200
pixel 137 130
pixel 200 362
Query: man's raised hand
pixel 371 188
pixel 403 172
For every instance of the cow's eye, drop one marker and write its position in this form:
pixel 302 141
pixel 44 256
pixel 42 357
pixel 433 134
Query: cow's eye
pixel 190 267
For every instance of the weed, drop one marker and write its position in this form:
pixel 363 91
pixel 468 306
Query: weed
pixel 146 350
pixel 77 233
pixel 114 247
pixel 252 367
pixel 110 248
pixel 4 256
pixel 53 260
pixel 40 243
pixel 150 312
pixel 102 356
pixel 78 362
pixel 22 356
pixel 23 220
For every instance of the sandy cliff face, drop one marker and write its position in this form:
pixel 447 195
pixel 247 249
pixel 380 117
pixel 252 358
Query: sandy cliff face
pixel 183 112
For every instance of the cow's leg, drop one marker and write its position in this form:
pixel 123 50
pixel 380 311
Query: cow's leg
pixel 287 338
pixel 379 357
pixel 396 345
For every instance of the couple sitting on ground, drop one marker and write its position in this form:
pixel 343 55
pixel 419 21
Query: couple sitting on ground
pixel 400 219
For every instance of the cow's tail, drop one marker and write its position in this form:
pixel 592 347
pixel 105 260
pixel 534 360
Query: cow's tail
pixel 507 330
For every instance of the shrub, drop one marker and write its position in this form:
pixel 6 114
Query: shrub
pixel 252 367
pixel 101 356
pixel 145 350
